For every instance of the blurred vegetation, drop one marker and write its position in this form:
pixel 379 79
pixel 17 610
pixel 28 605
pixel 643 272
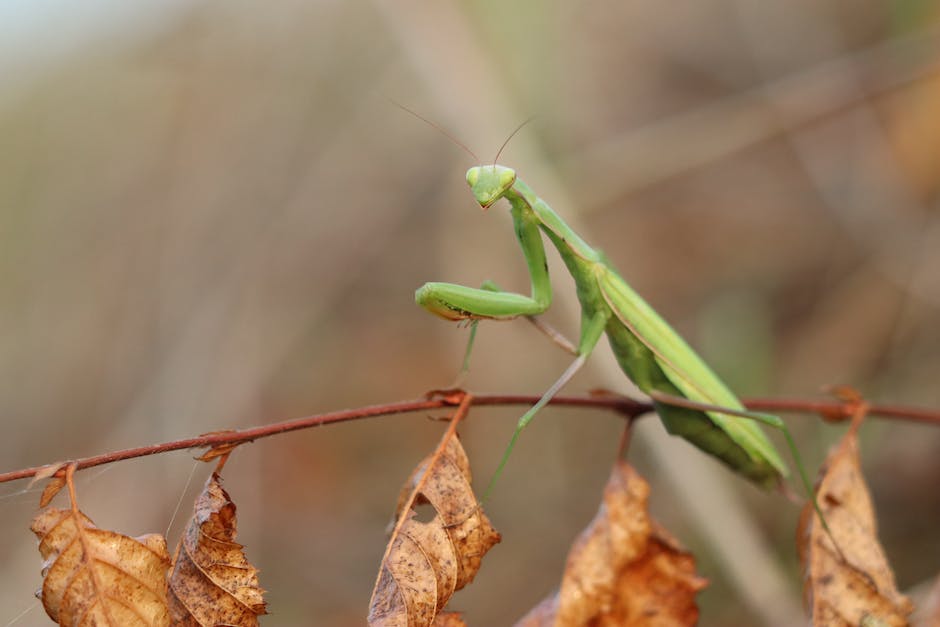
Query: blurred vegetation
pixel 217 219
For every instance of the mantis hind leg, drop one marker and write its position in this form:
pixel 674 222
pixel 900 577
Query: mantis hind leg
pixel 591 331
pixel 771 421
pixel 529 415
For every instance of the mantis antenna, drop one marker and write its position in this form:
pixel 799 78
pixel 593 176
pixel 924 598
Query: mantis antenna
pixel 439 129
pixel 511 135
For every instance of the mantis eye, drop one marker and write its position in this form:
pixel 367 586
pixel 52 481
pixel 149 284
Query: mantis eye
pixel 473 175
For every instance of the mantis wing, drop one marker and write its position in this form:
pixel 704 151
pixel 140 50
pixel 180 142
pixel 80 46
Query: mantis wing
pixel 684 368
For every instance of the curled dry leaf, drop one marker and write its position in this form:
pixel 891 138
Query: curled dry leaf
pixel 97 577
pixel 212 582
pixel 623 569
pixel 860 588
pixel 221 449
pixel 53 486
pixel 426 562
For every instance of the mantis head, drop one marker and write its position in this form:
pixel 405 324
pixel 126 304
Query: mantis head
pixel 490 182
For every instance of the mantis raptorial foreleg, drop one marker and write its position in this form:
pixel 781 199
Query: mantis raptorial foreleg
pixel 546 329
pixel 552 334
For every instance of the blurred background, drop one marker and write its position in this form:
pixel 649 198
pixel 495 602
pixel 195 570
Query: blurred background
pixel 213 216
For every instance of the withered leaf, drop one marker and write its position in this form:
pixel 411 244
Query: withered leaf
pixel 212 582
pixel 97 577
pixel 623 569
pixel 448 619
pixel 53 486
pixel 859 588
pixel 222 449
pixel 426 562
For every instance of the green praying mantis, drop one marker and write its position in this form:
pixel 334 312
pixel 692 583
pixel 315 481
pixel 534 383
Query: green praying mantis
pixel 689 398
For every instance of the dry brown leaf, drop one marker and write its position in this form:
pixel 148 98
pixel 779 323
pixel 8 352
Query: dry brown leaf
pixel 98 577
pixel 623 569
pixel 860 588
pixel 52 488
pixel 448 619
pixel 55 484
pixel 222 449
pixel 213 583
pixel 428 561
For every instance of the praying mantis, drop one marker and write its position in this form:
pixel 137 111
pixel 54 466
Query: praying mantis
pixel 690 399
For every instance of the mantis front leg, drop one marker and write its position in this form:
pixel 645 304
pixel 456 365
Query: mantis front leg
pixel 459 302
pixel 544 328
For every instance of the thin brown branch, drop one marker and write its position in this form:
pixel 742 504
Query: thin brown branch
pixel 839 410
pixel 828 409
